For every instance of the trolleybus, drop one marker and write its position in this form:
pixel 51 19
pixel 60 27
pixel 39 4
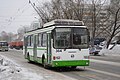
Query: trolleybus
pixel 60 43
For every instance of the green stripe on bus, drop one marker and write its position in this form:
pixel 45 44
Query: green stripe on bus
pixel 64 63
pixel 70 63
pixel 41 49
pixel 38 60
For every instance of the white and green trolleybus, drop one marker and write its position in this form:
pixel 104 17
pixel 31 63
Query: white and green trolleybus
pixel 60 43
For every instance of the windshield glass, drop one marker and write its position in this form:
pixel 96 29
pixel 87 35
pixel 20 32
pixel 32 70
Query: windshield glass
pixel 62 37
pixel 80 38
pixel 71 38
pixel 3 44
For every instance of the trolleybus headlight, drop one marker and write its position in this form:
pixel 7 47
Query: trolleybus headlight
pixel 87 63
pixel 56 57
pixel 87 57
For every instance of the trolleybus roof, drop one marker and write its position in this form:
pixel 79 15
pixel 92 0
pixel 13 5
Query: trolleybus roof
pixel 67 22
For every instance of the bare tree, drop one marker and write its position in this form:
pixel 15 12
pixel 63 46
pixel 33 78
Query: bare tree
pixel 4 36
pixel 98 17
pixel 43 11
pixel 114 29
pixel 83 11
pixel 74 9
pixel 68 9
pixel 10 36
pixel 61 9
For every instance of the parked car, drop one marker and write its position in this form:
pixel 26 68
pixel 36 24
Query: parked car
pixel 96 45
pixel 95 50
pixel 3 46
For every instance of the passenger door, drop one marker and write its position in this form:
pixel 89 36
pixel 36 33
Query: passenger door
pixel 49 48
pixel 35 47
pixel 25 46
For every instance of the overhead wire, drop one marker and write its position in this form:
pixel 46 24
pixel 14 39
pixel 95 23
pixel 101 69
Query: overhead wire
pixel 18 13
pixel 22 11
pixel 11 18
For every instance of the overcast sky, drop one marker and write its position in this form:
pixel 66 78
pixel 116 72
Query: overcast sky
pixel 16 13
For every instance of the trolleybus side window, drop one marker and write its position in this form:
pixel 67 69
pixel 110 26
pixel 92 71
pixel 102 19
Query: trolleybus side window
pixel 39 39
pixel 44 39
pixel 30 40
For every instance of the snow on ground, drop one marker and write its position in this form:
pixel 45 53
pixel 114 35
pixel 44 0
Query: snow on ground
pixel 11 71
pixel 114 51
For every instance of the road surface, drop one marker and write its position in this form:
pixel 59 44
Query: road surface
pixel 101 68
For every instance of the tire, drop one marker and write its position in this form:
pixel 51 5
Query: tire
pixel 6 50
pixel 73 67
pixel 28 57
pixel 44 63
pixel 96 53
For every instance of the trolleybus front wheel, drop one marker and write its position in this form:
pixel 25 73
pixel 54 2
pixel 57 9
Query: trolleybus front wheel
pixel 73 67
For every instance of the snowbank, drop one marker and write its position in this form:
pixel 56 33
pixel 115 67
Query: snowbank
pixel 12 71
pixel 9 70
pixel 113 51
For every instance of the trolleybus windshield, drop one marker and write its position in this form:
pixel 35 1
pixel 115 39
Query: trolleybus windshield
pixel 71 38
pixel 3 44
